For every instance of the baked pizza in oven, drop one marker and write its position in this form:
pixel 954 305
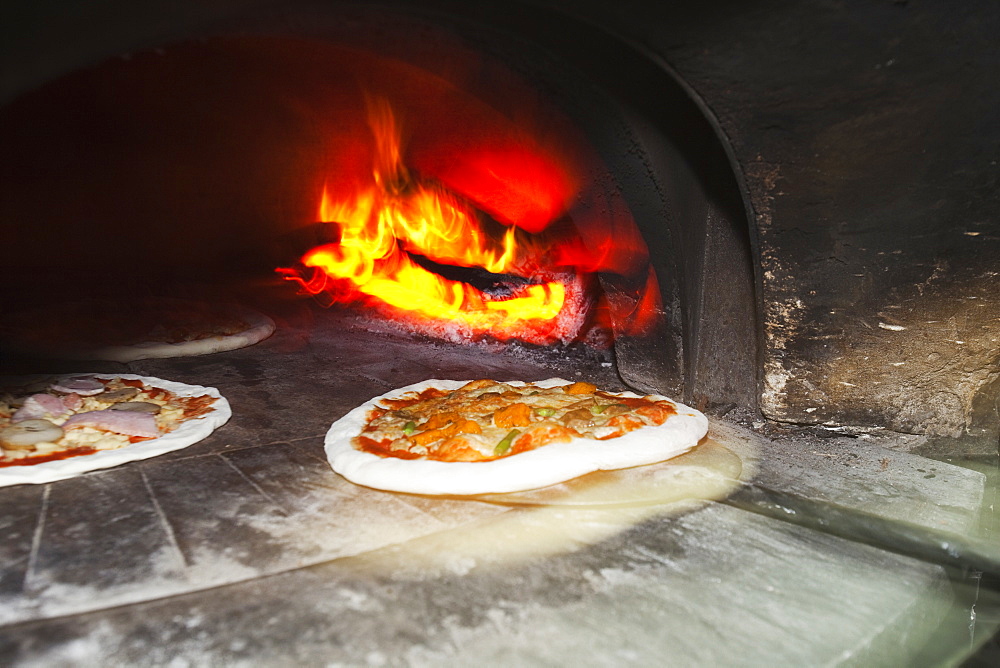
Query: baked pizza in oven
pixel 55 428
pixel 484 436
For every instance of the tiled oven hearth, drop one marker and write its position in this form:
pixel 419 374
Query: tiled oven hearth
pixel 247 548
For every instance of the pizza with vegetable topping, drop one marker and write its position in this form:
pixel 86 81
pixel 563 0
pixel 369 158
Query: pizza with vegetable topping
pixel 476 437
pixel 56 428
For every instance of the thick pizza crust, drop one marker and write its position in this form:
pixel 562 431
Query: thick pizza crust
pixel 259 327
pixel 186 434
pixel 547 465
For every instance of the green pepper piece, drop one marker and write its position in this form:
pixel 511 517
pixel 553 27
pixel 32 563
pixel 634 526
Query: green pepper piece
pixel 597 410
pixel 409 427
pixel 505 443
pixel 545 412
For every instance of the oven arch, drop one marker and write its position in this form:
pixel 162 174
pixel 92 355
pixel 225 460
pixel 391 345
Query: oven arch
pixel 667 154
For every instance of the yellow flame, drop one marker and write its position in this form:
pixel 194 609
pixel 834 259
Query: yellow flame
pixel 382 226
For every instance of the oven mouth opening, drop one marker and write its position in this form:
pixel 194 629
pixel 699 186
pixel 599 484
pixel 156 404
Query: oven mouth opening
pixel 251 126
pixel 412 246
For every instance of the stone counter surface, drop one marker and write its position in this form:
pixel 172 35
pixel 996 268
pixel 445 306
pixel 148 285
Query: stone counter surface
pixel 246 549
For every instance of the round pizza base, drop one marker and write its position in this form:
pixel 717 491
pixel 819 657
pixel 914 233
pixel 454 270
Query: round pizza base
pixel 708 470
pixel 544 466
pixel 186 434
pixel 259 327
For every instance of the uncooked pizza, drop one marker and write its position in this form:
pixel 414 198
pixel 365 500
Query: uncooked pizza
pixel 121 330
pixel 483 436
pixel 56 428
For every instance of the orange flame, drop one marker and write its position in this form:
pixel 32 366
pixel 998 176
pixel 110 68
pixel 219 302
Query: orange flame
pixel 386 228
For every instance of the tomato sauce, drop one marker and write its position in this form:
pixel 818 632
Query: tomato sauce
pixel 539 436
pixel 53 457
pixel 429 393
pixel 191 407
pixel 442 428
pixel 382 449
pixel 195 406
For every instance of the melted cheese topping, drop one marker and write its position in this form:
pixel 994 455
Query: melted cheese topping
pixel 486 420
pixel 85 440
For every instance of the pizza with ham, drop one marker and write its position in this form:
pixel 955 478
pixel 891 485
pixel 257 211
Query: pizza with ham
pixel 448 437
pixel 56 428
pixel 126 330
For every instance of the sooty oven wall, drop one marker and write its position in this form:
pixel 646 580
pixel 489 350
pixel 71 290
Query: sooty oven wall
pixel 201 159
pixel 863 137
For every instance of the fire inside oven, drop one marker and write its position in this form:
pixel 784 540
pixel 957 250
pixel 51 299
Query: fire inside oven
pixel 439 259
pixel 486 198
pixel 464 188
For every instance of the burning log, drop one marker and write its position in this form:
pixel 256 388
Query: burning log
pixel 422 254
pixel 496 286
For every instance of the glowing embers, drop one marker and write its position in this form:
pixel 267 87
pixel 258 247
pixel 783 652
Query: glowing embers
pixel 426 256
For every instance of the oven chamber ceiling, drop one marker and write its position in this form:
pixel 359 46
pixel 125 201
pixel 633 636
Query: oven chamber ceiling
pixel 821 213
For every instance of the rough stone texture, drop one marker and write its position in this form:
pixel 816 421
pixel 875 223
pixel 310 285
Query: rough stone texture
pixel 849 299
pixel 861 474
pixel 863 134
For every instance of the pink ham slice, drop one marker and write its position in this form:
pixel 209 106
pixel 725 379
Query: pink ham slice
pixel 83 386
pixel 120 422
pixel 72 401
pixel 39 406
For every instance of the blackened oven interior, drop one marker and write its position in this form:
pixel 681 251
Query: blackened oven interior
pixel 198 164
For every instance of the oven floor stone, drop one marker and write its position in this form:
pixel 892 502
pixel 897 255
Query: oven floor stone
pixel 246 549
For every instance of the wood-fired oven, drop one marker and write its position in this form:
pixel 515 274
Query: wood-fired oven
pixel 783 214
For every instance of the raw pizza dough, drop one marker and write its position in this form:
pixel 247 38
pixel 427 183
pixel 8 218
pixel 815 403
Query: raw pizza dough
pixel 126 331
pixel 187 433
pixel 546 465
pixel 258 328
